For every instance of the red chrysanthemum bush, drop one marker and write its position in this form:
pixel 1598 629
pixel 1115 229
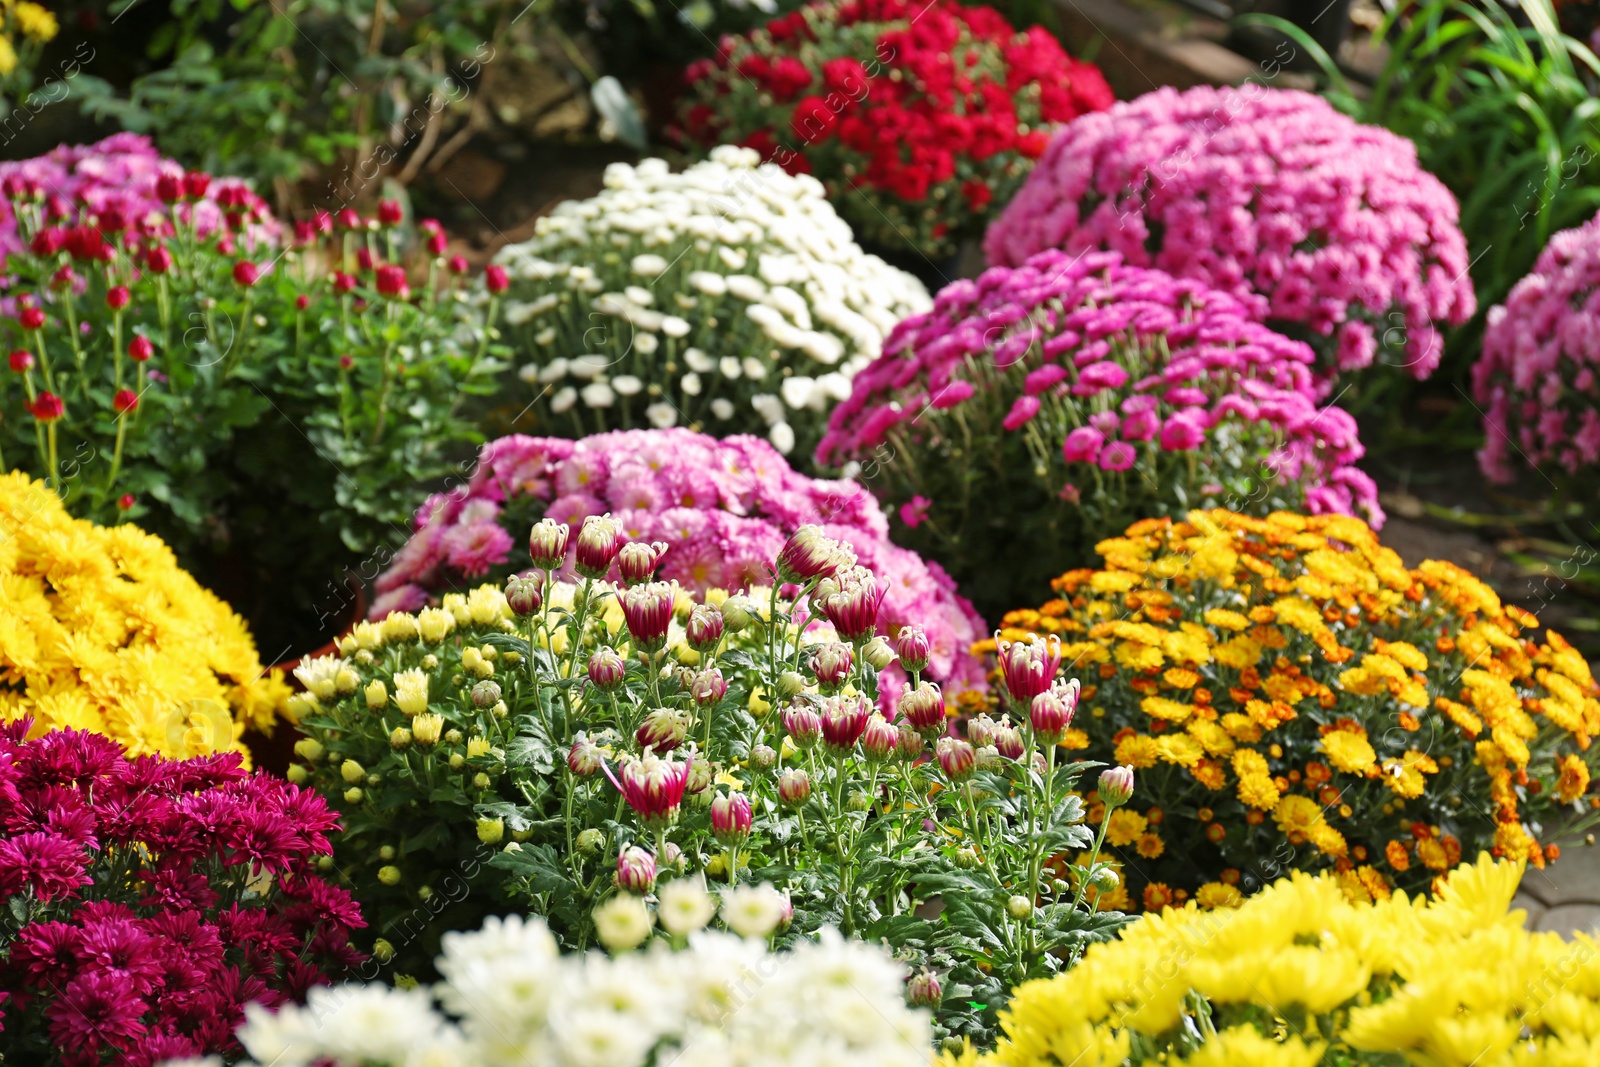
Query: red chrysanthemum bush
pixel 917 117
pixel 144 902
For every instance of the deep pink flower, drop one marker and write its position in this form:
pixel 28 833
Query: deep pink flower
pixel 915 511
pixel 1183 432
pixel 1028 667
pixel 652 786
pixel 1082 445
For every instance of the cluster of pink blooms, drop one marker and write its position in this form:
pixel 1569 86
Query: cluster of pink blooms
pixel 1271 195
pixel 723 509
pixel 1537 377
pixel 1058 331
pixel 123 184
pixel 157 898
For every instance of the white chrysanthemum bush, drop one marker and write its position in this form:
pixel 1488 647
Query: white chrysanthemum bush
pixel 510 999
pixel 728 297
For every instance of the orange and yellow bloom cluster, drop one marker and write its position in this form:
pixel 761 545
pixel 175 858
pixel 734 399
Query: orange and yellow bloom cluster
pixel 1295 697
pixel 100 630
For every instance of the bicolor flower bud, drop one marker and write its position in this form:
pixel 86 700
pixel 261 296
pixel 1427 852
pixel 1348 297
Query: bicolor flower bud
pixel 1051 711
pixel 584 757
pixel 879 740
pixel 547 544
pixel 703 629
pixel 923 708
pixel 607 670
pixel 957 758
pixel 730 818
pixel 636 561
pixel 794 786
pixel 803 724
pixel 523 595
pixel 878 654
pixel 636 870
pixel 832 663
pixel 1116 786
pixel 598 544
pixel 708 687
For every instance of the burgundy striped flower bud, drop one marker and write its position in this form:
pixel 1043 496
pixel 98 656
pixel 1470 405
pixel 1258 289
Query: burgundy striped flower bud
pixel 957 758
pixel 923 708
pixel 663 729
pixel 1051 711
pixel 637 561
pixel 850 600
pixel 598 544
pixel 584 758
pixel 810 554
pixel 832 663
pixel 1008 740
pixel 980 730
pixel 703 629
pixel 844 720
pixel 923 990
pixel 912 646
pixel 524 595
pixel 879 739
pixel 636 871
pixel 803 724
pixel 910 744
pixel 652 786
pixel 708 687
pixel 547 544
pixel 607 670
pixel 794 786
pixel 730 818
pixel 1116 786
pixel 1028 667
pixel 647 611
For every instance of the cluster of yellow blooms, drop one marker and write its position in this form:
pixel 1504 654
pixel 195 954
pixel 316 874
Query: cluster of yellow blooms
pixel 1300 976
pixel 100 630
pixel 32 23
pixel 1294 697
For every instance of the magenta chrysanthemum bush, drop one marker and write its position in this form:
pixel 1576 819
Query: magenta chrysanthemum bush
pixel 1537 377
pixel 1039 409
pixel 1326 227
pixel 147 901
pixel 723 508
pixel 123 183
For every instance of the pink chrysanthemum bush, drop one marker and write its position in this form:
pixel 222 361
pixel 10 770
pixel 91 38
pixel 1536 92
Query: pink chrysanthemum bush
pixel 1326 227
pixel 1536 379
pixel 722 508
pixel 1037 409
pixel 147 901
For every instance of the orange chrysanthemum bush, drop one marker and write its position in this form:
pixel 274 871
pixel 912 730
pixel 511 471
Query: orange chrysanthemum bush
pixel 1291 696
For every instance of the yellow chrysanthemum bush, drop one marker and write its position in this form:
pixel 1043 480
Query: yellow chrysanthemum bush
pixel 1301 976
pixel 1291 696
pixel 101 630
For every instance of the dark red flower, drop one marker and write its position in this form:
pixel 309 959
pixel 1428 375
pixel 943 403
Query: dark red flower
pixel 47 407
pixel 159 260
pixel 495 278
pixel 169 187
pixel 246 273
pixel 392 282
pixel 125 401
pixel 195 184
pixel 813 120
pixel 21 360
pixel 390 213
pixel 140 348
pixel 117 297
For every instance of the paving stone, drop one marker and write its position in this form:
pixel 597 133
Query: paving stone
pixel 1532 905
pixel 1572 879
pixel 1564 919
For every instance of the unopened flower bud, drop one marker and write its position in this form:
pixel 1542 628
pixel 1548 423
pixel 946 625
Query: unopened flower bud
pixel 708 687
pixel 457 761
pixel 879 739
pixel 524 595
pixel 858 802
pixel 382 951
pixel 877 653
pixel 700 775
pixel 1116 786
pixel 399 738
pixel 637 561
pixel 1008 740
pixel 591 841
pixel 832 663
pixel 1019 907
pixel 647 613
pixel 584 758
pixel 1105 880
pixel 730 818
pixel 810 554
pixel 308 749
pixel 663 730
pixel 923 708
pixel 703 628
pixel 791 684
pixel 803 724
pixel 547 544
pixel 736 614
pixel 980 731
pixel 910 742
pixel 763 756
pixel 957 758
pixel 353 795
pixel 794 786
pixel 389 875
pixel 671 857
pixel 346 680
pixel 490 831
pixel 636 870
pixel 1051 711
pixel 598 543
pixel 923 990
pixel 912 646
pixel 967 858
pixel 480 781
pixel 297 774
pixel 607 670
pixel 352 772
pixel 485 694
pixel 426 728
pixel 453 737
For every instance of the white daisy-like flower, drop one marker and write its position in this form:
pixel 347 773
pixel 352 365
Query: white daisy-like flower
pixel 675 327
pixel 646 343
pixel 545 337
pixel 722 408
pixel 683 906
pixel 782 437
pixel 661 415
pixel 730 367
pixel 598 395
pixel 627 385
pixel 708 282
pixel 754 369
pixel 588 366
pixel 698 361
pixel 745 287
pixel 753 910
pixel 622 922
pixel 562 402
pixel 796 391
pixel 639 295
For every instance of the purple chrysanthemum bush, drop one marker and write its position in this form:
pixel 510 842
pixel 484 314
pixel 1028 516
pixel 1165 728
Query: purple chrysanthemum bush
pixel 722 508
pixel 1326 227
pixel 1537 378
pixel 1037 408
